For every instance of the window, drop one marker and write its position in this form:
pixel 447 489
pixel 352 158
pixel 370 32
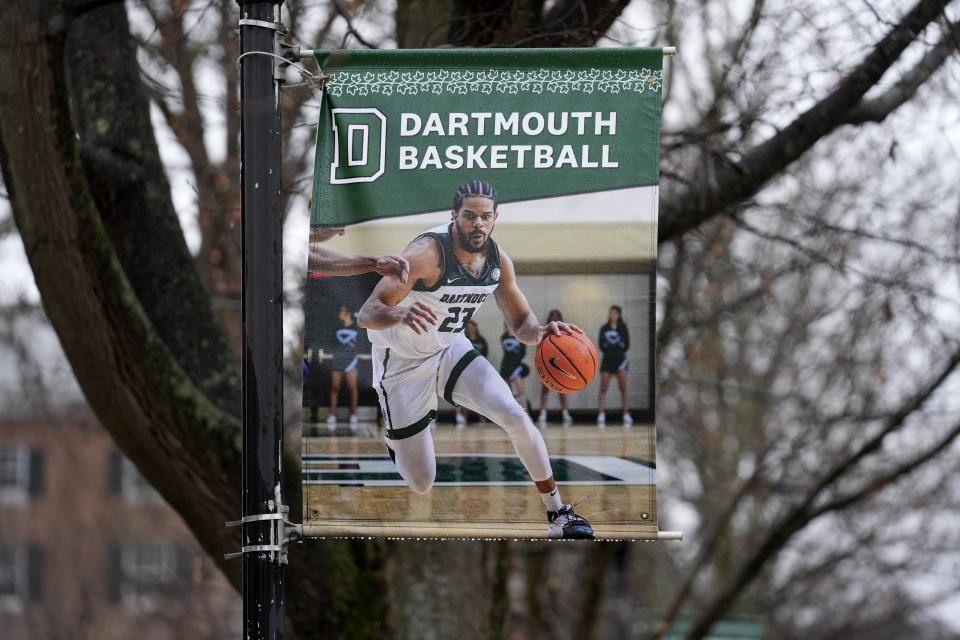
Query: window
pixel 13 578
pixel 21 577
pixel 125 480
pixel 21 474
pixel 144 574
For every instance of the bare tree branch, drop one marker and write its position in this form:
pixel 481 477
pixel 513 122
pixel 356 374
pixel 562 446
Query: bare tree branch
pixel 703 556
pixel 721 69
pixel 839 266
pixel 876 484
pixel 802 514
pixel 820 225
pixel 522 23
pixel 735 182
pixel 877 109
pixel 576 23
pixel 350 29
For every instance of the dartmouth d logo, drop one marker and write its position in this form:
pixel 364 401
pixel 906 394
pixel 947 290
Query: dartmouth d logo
pixel 359 145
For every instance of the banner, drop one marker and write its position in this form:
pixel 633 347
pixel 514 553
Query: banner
pixel 535 173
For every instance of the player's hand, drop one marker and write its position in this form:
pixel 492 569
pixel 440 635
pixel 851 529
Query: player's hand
pixel 323 232
pixel 393 266
pixel 418 317
pixel 556 328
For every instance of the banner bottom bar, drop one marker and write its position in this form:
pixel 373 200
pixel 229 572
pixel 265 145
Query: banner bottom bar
pixel 488 531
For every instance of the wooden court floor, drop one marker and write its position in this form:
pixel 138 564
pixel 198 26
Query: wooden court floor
pixel 351 487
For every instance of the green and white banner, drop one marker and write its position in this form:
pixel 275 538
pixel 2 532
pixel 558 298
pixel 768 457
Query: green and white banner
pixel 569 139
pixel 399 130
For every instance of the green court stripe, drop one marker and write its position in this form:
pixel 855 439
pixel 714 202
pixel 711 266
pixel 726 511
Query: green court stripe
pixel 412 430
pixel 455 374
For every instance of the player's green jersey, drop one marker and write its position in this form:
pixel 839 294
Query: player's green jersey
pixel 455 297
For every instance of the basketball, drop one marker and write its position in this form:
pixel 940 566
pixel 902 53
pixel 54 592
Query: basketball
pixel 566 363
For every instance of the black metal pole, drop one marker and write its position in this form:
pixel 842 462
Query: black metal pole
pixel 260 154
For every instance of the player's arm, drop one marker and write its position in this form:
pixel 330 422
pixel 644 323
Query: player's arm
pixel 333 263
pixel 323 232
pixel 516 311
pixel 384 308
pixel 327 261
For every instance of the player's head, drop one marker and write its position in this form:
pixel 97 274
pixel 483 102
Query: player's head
pixel 475 188
pixel 474 213
pixel 615 315
pixel 345 314
pixel 554 315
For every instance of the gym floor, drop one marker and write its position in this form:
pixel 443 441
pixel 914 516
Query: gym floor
pixel 352 488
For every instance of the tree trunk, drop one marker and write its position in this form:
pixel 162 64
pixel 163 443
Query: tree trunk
pixel 127 180
pixel 448 588
pixel 423 24
pixel 184 444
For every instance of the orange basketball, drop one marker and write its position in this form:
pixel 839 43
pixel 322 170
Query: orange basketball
pixel 566 363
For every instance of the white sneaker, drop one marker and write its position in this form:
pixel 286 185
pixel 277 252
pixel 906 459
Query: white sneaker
pixel 354 423
pixel 627 420
pixel 567 524
pixel 567 419
pixel 461 420
pixel 542 418
pixel 601 419
pixel 332 422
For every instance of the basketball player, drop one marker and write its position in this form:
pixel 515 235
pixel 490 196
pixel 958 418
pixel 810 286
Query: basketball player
pixel 344 365
pixel 476 339
pixel 544 391
pixel 512 367
pixel 614 340
pixel 420 352
pixel 328 262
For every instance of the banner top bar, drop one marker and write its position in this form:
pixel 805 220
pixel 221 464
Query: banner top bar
pixel 306 54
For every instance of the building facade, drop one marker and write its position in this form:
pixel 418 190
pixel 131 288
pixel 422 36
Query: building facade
pixel 89 550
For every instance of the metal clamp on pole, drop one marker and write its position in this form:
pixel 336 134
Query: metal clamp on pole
pixel 276 26
pixel 282 533
pixel 286 55
pixel 280 29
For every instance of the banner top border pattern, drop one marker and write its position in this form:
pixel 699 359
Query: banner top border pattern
pixel 505 81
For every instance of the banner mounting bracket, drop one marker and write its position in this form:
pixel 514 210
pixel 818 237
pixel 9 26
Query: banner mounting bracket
pixel 282 533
